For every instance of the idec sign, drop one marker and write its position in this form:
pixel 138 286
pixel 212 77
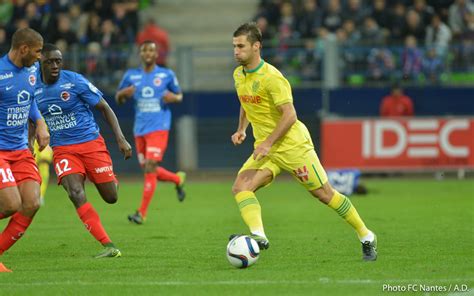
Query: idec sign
pixel 398 143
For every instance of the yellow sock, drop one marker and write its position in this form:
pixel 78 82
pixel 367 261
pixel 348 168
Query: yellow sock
pixel 343 206
pixel 250 211
pixel 44 172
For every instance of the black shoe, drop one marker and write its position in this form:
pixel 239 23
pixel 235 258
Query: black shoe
pixel 136 218
pixel 262 242
pixel 181 195
pixel 369 250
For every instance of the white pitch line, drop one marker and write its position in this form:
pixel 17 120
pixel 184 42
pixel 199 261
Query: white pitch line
pixel 235 283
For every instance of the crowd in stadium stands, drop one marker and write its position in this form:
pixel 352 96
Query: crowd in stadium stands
pixel 382 39
pixel 94 26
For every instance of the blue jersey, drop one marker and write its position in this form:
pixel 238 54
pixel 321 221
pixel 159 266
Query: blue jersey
pixel 17 87
pixel 345 181
pixel 151 112
pixel 65 106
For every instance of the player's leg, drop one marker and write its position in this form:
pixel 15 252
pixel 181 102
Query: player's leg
pixel 252 176
pixel 309 172
pixel 149 150
pixel 149 187
pixel 74 186
pixel 178 179
pixel 108 191
pixel 10 203
pixel 156 145
pixel 24 172
pixel 346 210
pixel 43 159
pixel 21 220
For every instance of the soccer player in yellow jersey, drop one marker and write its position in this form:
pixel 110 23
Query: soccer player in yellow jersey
pixel 281 142
pixel 43 160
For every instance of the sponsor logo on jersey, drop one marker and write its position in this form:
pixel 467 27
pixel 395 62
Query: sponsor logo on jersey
pixel 250 99
pixel 157 81
pixel 162 75
pixel 6 75
pixel 67 85
pixel 135 77
pixel 32 79
pixel 55 110
pixel 147 92
pixel 23 97
pixel 65 96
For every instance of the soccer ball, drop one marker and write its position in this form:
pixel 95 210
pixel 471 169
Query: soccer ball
pixel 242 251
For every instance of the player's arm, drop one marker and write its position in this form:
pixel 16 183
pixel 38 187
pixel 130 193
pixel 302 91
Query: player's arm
pixel 124 94
pixel 171 97
pixel 288 118
pixel 239 136
pixel 111 119
pixel 38 129
pixel 174 93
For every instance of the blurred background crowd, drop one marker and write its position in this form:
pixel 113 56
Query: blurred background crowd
pixel 419 41
pixel 380 40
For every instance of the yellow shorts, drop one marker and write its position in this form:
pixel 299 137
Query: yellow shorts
pixel 44 156
pixel 303 165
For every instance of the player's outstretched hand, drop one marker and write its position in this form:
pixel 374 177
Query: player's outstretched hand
pixel 125 148
pixel 238 137
pixel 42 135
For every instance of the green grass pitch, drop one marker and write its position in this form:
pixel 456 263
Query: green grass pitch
pixel 424 227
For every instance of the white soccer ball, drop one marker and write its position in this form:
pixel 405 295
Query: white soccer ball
pixel 242 251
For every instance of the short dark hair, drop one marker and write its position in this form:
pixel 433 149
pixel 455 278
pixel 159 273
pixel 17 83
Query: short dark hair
pixel 26 36
pixel 48 47
pixel 251 30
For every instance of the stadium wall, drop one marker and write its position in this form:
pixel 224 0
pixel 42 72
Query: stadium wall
pixel 217 115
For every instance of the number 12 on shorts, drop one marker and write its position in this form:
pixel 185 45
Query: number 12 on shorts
pixel 62 166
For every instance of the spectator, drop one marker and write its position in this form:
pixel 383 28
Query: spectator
pixel 152 31
pixel 4 44
pixel 413 26
pixel 93 29
pixel 64 31
pixel 458 16
pixel 396 104
pixel 355 11
pixel 6 12
pixel 309 19
pixel 432 66
pixel 381 14
pixel 33 16
pixel 438 35
pixel 411 59
pixel 332 17
pixel 381 64
pixel 425 11
pixel 371 34
pixel 286 27
pixel 397 22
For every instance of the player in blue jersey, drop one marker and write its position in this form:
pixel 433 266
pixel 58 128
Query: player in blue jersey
pixel 152 88
pixel 79 151
pixel 19 178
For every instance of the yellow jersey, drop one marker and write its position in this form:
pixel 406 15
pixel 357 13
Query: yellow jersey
pixel 260 91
